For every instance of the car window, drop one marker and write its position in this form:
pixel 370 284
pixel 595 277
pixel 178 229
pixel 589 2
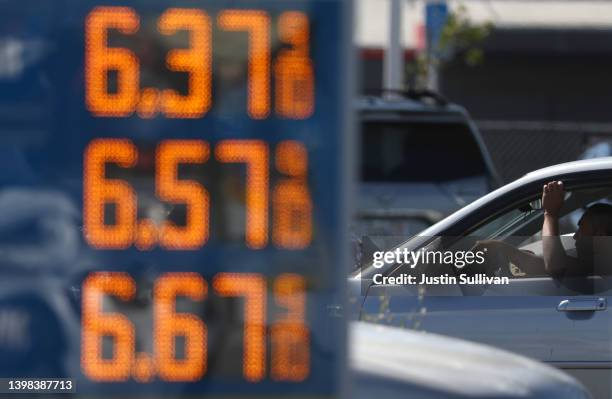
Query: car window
pixel 515 220
pixel 419 152
pixel 496 226
pixel 521 227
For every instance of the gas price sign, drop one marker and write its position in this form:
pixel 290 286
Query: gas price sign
pixel 173 191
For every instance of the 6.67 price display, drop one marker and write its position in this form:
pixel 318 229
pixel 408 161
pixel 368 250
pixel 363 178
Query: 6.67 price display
pixel 289 336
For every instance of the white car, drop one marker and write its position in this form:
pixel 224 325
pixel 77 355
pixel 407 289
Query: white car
pixel 566 323
pixel 389 362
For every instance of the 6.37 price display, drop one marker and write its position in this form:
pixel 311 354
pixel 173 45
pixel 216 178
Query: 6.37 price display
pixel 292 68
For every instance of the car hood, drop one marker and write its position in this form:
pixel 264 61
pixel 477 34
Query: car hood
pixel 392 362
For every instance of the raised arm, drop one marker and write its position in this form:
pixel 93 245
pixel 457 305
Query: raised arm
pixel 556 260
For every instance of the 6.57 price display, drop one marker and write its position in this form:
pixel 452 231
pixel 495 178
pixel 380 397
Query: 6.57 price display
pixel 289 336
pixel 291 202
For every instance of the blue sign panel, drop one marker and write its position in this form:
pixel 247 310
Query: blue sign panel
pixel 436 15
pixel 172 188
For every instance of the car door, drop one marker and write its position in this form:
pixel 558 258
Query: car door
pixel 536 317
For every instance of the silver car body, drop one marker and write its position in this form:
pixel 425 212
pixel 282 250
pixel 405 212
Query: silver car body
pixel 535 322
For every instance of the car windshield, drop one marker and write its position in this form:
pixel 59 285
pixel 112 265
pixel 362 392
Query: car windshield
pixel 418 152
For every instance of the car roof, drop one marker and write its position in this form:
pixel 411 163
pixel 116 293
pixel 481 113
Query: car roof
pixel 584 165
pixel 550 172
pixel 402 104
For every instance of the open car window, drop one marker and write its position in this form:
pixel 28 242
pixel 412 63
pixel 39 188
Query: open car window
pixel 498 226
pixel 521 226
pixel 525 218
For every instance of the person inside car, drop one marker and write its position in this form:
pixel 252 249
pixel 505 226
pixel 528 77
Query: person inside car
pixel 594 225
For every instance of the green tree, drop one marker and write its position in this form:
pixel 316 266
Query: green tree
pixel 460 38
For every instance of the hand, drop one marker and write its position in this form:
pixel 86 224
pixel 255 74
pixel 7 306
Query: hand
pixel 553 197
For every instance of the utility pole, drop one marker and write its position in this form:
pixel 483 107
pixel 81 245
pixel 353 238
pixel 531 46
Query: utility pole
pixel 394 56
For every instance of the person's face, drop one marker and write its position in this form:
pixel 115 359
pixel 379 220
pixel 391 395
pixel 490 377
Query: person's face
pixel 585 227
pixel 584 235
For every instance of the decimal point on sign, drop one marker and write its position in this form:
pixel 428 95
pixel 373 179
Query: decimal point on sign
pixel 148 105
pixel 146 235
pixel 143 367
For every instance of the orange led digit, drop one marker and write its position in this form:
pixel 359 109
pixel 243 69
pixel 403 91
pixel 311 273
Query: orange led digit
pixel 289 292
pixel 100 59
pixel 170 154
pixel 144 368
pixel 98 191
pixel 168 324
pixel 292 228
pixel 197 61
pixel 148 105
pixel 257 24
pixel 293 70
pixel 96 324
pixel 253 288
pixel 291 201
pixel 290 337
pixel 255 154
pixel 292 159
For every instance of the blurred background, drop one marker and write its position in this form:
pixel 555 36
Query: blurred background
pixel 534 76
pixel 459 97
